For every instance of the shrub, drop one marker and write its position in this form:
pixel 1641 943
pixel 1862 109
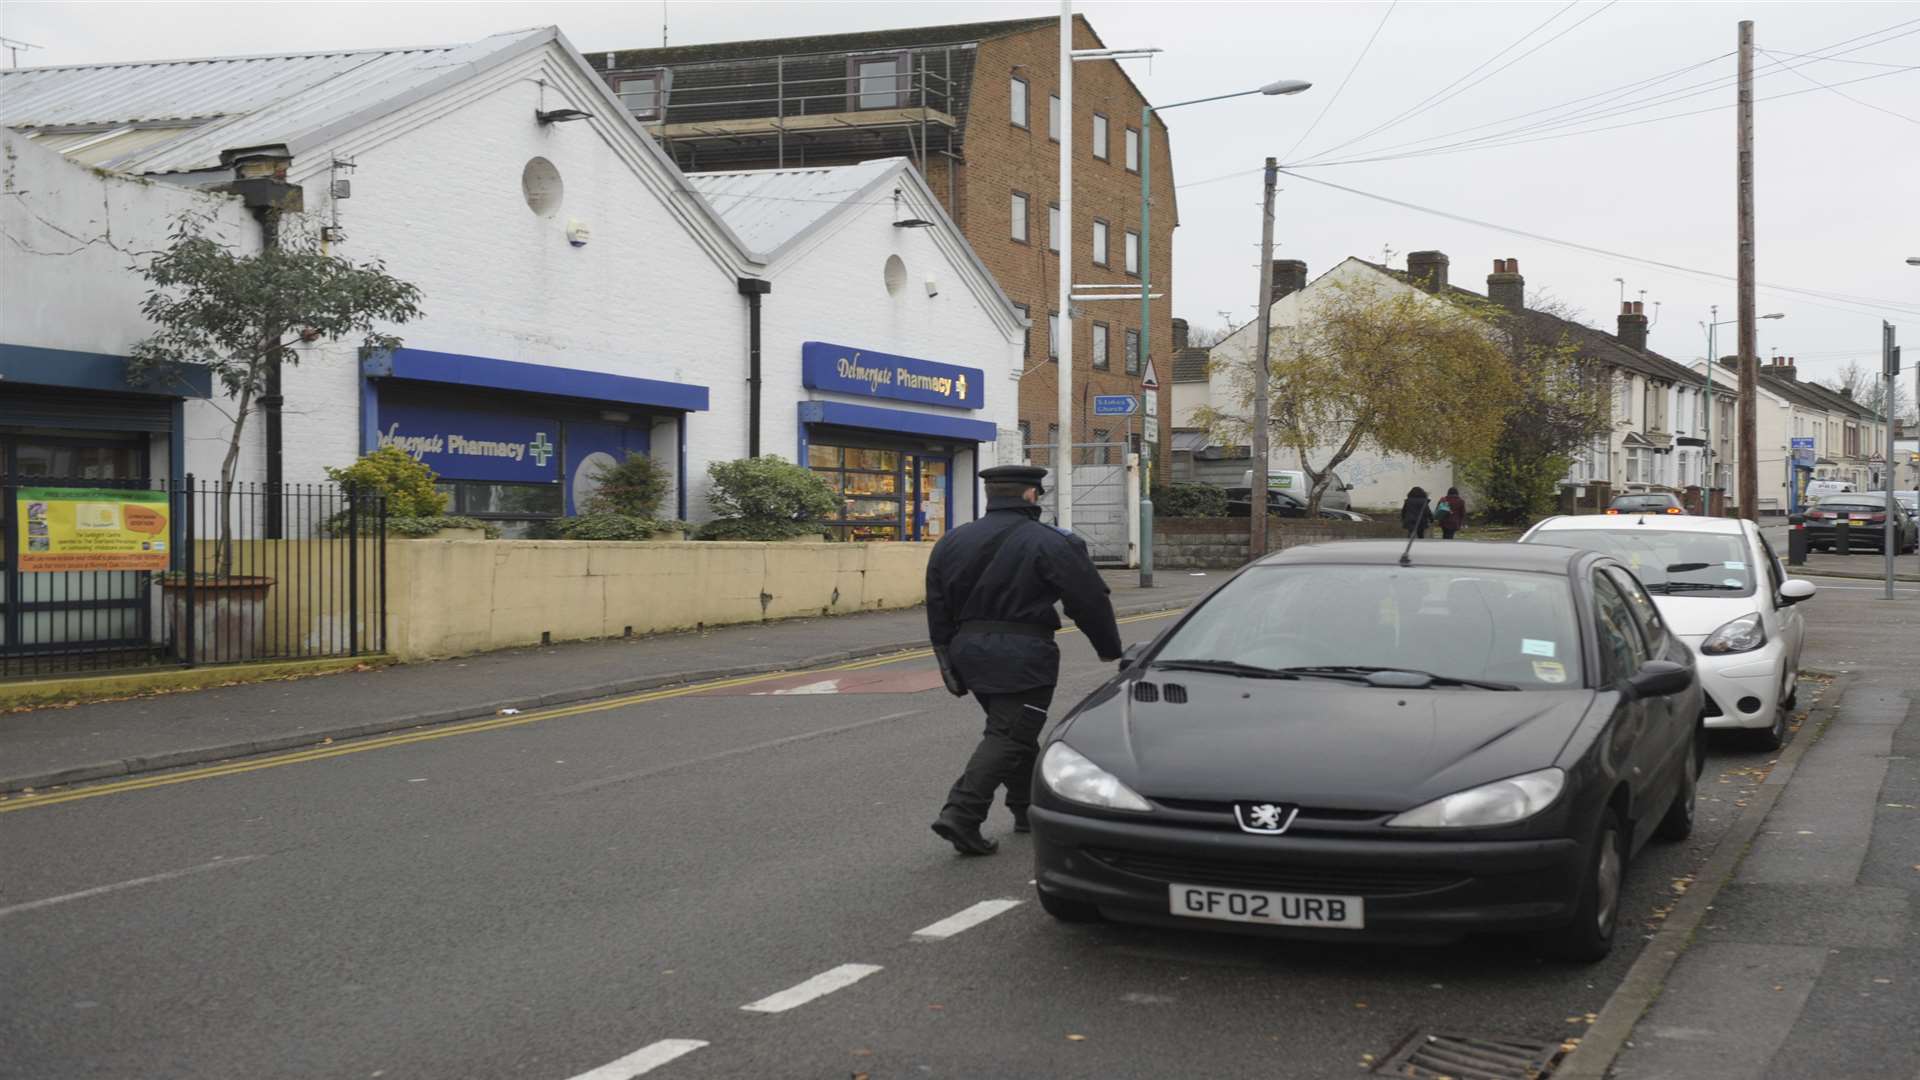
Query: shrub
pixel 603 526
pixel 766 498
pixel 1184 500
pixel 392 472
pixel 422 525
pixel 633 488
pixel 1514 488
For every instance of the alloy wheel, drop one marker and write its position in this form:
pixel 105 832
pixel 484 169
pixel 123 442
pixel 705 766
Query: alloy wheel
pixel 1606 881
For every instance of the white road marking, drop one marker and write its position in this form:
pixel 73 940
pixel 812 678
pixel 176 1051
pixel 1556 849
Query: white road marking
pixel 964 920
pixel 819 986
pixel 824 686
pixel 100 890
pixel 643 1060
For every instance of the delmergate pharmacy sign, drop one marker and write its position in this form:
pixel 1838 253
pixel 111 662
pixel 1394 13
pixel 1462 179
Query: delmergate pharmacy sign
pixel 846 370
pixel 464 444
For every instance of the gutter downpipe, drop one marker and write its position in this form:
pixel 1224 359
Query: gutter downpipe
pixel 753 289
pixel 260 180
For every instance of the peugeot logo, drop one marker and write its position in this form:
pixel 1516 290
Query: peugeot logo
pixel 1265 819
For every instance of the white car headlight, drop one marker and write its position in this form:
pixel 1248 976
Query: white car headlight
pixel 1514 799
pixel 1072 777
pixel 1743 634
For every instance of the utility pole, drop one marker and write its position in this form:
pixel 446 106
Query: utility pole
pixel 1890 370
pixel 1257 480
pixel 1749 358
pixel 1063 448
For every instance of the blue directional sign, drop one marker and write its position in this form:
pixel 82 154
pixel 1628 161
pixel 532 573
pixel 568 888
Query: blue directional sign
pixel 1115 405
pixel 1803 449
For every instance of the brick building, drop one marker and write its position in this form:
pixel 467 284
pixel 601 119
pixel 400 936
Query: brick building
pixel 976 108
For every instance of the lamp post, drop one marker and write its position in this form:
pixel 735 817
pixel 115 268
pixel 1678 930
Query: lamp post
pixel 1713 359
pixel 1278 88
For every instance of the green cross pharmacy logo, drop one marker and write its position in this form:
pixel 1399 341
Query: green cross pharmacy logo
pixel 540 448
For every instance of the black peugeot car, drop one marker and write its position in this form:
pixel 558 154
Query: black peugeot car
pixel 1345 742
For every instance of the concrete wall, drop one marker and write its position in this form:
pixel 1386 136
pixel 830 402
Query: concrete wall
pixel 1216 543
pixel 74 240
pixel 450 597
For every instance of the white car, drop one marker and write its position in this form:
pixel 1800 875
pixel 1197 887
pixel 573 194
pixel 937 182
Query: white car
pixel 1720 589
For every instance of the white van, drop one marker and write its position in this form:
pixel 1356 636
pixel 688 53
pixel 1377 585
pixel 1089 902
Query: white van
pixel 1294 482
pixel 1820 489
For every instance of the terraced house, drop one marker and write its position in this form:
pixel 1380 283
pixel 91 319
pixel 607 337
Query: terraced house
pixel 976 108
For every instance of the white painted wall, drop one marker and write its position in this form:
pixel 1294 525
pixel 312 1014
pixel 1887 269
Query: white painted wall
pixel 1188 397
pixel 74 239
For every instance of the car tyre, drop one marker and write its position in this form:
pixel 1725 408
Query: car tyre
pixel 1677 825
pixel 1071 911
pixel 1589 937
pixel 1774 736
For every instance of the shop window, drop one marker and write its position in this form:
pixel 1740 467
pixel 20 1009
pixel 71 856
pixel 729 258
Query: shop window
pixel 540 185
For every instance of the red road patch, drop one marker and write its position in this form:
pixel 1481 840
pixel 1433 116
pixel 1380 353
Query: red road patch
pixel 873 681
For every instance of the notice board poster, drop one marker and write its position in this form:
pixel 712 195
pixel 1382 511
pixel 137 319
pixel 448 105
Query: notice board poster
pixel 92 529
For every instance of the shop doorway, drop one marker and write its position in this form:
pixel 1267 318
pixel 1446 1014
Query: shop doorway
pixel 886 494
pixel 932 495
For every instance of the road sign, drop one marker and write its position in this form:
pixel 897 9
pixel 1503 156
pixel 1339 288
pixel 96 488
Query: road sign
pixel 1150 380
pixel 1115 404
pixel 1803 449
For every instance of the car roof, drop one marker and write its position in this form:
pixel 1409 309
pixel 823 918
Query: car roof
pixel 1455 554
pixel 1662 522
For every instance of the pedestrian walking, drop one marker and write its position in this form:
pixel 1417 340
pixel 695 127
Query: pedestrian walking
pixel 1416 513
pixel 1451 513
pixel 991 589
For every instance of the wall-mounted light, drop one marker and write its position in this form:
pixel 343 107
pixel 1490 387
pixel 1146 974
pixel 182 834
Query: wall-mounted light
pixel 560 116
pixel 910 222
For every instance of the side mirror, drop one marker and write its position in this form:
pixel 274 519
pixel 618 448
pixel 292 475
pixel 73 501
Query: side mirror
pixel 1659 678
pixel 1794 590
pixel 1130 656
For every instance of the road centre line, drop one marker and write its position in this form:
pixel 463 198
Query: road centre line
pixel 964 920
pixel 817 987
pixel 737 751
pixel 151 879
pixel 8 804
pixel 644 1060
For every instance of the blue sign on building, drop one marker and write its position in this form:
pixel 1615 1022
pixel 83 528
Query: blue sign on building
pixel 463 444
pixel 1803 453
pixel 846 370
pixel 1115 405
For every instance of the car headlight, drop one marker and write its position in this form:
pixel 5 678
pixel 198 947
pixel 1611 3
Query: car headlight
pixel 1743 634
pixel 1504 801
pixel 1072 777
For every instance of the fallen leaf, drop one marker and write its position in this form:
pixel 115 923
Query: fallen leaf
pixel 1359 1004
pixel 1076 1038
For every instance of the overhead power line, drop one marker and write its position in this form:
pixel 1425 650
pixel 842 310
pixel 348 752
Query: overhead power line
pixel 1850 97
pixel 1364 50
pixel 1804 294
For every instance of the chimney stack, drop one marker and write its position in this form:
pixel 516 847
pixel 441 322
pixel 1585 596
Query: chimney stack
pixel 1633 325
pixel 1179 335
pixel 1428 269
pixel 1505 286
pixel 1289 276
pixel 1782 367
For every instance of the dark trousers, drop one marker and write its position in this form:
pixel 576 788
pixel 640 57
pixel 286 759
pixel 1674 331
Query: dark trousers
pixel 1005 754
pixel 1446 532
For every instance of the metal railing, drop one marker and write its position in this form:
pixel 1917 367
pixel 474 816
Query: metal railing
pixel 102 576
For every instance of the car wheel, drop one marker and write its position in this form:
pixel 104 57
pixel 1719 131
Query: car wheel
pixel 1067 910
pixel 1678 824
pixel 1774 736
pixel 1589 937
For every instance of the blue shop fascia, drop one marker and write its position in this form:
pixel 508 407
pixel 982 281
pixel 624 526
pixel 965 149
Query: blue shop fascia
pixel 515 443
pixel 901 473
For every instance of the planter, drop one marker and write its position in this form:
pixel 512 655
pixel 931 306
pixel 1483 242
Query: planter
pixel 227 618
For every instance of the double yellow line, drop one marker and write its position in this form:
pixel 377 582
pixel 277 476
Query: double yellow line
pixel 10 803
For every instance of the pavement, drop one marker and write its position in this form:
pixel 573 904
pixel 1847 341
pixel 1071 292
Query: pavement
pixel 57 745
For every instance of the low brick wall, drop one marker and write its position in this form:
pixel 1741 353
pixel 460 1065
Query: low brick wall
pixel 1216 543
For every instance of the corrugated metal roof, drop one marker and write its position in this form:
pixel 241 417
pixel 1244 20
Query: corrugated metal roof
pixel 219 104
pixel 769 208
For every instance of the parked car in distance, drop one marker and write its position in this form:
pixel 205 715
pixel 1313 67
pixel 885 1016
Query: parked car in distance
pixel 1865 513
pixel 1294 482
pixel 1338 746
pixel 1718 586
pixel 1820 489
pixel 1652 502
pixel 1909 501
pixel 1283 504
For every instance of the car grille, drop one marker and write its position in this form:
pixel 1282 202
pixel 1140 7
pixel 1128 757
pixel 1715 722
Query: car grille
pixel 1343 880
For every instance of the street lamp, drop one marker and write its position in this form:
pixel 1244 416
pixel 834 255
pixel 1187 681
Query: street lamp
pixel 1713 359
pixel 1277 88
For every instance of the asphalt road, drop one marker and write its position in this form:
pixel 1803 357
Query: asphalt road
pixel 607 888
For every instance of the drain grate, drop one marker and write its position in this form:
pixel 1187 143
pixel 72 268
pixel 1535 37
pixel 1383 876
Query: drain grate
pixel 1426 1055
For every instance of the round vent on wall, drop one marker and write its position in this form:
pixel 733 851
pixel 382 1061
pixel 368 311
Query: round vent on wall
pixel 540 185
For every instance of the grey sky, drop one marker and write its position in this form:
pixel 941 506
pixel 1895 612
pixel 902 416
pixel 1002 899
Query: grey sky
pixel 1837 188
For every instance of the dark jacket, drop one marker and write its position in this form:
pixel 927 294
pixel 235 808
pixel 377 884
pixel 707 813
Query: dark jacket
pixel 1451 511
pixel 1035 568
pixel 1416 513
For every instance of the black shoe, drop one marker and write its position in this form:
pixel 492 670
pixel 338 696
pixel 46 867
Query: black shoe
pixel 966 839
pixel 1020 821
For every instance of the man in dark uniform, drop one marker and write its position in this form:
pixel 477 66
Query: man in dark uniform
pixel 991 587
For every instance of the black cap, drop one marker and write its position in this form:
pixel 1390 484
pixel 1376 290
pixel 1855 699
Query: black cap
pixel 1031 475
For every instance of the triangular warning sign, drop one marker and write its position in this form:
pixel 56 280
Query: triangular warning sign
pixel 1150 381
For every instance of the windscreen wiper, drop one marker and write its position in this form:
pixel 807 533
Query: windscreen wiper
pixel 1224 667
pixel 1693 586
pixel 1363 673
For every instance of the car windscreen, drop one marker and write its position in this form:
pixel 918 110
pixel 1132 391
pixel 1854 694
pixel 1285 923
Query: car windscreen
pixel 1676 562
pixel 1502 626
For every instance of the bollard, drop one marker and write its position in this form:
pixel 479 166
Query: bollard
pixel 1840 531
pixel 1797 545
pixel 1146 543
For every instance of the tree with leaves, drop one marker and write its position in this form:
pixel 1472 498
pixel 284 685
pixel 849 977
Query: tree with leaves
pixel 1374 365
pixel 240 316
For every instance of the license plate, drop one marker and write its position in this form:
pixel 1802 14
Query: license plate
pixel 1862 517
pixel 1272 908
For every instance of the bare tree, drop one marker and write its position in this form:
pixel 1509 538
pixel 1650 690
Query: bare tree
pixel 1868 387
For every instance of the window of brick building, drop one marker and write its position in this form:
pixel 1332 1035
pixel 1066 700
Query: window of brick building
pixel 1099 136
pixel 1053 335
pixel 1132 265
pixel 1053 227
pixel 1019 96
pixel 1053 117
pixel 645 94
pixel 1026 335
pixel 879 82
pixel 1100 362
pixel 1099 242
pixel 1133 352
pixel 1133 150
pixel 1019 232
